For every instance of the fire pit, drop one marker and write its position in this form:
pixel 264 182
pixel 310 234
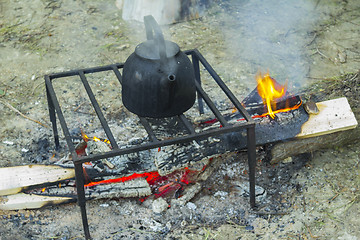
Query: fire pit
pixel 153 141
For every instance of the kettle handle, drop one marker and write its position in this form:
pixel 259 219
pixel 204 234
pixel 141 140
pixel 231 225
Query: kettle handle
pixel 151 26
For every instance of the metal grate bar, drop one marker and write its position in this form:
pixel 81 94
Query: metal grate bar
pixel 189 127
pixel 98 110
pixel 52 114
pixel 211 105
pixel 117 72
pixel 55 103
pixel 251 146
pixel 148 129
pixel 168 142
pixel 85 70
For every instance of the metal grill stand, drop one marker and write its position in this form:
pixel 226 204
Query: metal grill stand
pixel 54 109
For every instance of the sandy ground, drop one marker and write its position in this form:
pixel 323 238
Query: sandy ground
pixel 306 43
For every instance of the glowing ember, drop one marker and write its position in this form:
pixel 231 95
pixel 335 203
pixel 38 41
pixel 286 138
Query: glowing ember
pixel 148 176
pixel 269 90
pixel 162 186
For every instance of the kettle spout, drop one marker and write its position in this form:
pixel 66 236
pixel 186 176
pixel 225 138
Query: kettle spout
pixel 172 78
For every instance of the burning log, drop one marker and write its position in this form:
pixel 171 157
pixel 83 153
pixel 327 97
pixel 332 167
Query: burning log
pixel 282 150
pixel 317 120
pixel 58 194
pixel 40 193
pixel 334 115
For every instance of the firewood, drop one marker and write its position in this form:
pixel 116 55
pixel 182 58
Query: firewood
pixel 60 195
pixel 282 150
pixel 134 188
pixel 319 131
pixel 334 115
pixel 16 179
pixel 188 195
pixel 31 201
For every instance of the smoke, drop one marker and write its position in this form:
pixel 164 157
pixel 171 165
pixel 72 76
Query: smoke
pixel 272 35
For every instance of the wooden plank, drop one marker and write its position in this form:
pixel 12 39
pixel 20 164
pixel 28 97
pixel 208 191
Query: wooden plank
pixel 30 201
pixel 282 150
pixel 324 130
pixel 56 195
pixel 16 179
pixel 334 115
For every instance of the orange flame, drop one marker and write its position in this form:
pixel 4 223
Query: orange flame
pixel 269 90
pixel 95 139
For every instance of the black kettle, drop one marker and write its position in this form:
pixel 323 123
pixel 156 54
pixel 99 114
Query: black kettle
pixel 158 79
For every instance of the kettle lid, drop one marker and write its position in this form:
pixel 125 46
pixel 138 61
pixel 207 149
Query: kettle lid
pixel 150 49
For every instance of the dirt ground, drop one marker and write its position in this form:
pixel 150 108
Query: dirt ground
pixel 314 45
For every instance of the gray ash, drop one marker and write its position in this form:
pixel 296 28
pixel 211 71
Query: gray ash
pixel 39 151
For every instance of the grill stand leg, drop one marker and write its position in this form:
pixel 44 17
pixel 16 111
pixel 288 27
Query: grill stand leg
pixel 53 118
pixel 195 61
pixel 79 174
pixel 252 162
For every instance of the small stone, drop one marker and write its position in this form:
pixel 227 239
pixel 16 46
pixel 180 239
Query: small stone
pixel 249 228
pixel 191 206
pixel 183 223
pixel 260 226
pixel 342 56
pixel 287 160
pixel 159 205
pixel 153 225
pixel 148 203
pixel 8 142
pixel 24 150
pixel 311 108
pixel 221 194
pixel 243 189
pixel 123 47
pixel 168 225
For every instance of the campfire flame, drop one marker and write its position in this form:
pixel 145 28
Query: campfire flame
pixel 95 139
pixel 269 90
